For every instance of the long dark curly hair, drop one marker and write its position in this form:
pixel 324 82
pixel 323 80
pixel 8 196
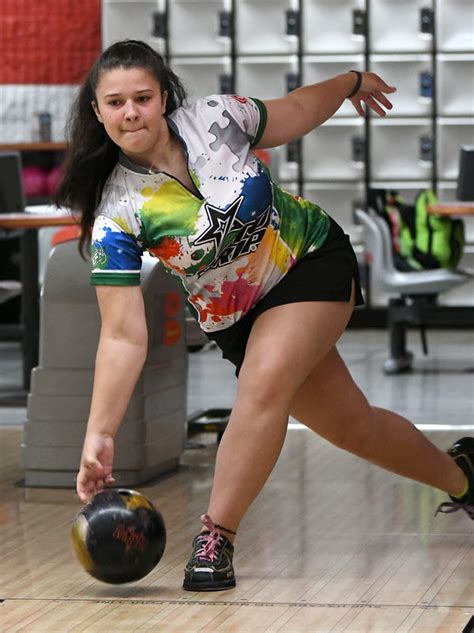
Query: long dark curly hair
pixel 91 154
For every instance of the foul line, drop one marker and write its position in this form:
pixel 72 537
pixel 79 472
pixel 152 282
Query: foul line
pixel 242 603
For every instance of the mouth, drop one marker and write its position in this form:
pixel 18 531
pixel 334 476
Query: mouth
pixel 133 131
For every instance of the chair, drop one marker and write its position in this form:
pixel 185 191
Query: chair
pixel 413 294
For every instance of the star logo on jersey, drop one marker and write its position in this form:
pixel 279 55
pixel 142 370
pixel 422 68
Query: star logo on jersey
pixel 219 224
pixel 247 237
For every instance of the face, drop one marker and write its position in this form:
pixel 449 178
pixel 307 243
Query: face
pixel 131 107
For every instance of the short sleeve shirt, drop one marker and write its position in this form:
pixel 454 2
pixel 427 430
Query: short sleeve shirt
pixel 231 244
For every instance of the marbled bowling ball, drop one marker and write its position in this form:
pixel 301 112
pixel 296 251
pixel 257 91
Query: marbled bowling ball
pixel 119 536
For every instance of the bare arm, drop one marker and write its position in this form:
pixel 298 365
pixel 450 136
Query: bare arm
pixel 121 354
pixel 304 109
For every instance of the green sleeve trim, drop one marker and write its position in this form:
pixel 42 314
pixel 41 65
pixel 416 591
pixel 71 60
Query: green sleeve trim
pixel 108 279
pixel 262 123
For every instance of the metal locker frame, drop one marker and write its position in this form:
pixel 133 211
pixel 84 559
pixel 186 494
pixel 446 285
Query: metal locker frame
pixel 318 37
pixel 450 102
pixel 140 14
pixel 420 27
pixel 214 41
pixel 378 171
pixel 356 152
pixel 291 61
pixel 453 30
pixel 262 20
pixel 222 81
pixel 419 83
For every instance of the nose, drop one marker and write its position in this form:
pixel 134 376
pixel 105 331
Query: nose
pixel 131 113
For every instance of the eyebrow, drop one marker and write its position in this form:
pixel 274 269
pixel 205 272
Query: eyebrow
pixel 118 94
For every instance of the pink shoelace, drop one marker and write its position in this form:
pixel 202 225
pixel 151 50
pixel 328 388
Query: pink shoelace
pixel 209 542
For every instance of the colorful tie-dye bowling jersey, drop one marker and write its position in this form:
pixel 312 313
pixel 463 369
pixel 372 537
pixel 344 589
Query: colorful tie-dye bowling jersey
pixel 231 244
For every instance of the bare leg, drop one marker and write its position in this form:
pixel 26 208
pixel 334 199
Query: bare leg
pixel 331 404
pixel 278 359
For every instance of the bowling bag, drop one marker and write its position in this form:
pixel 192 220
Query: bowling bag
pixel 420 240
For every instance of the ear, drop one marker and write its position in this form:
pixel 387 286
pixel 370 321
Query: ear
pixel 164 98
pixel 96 110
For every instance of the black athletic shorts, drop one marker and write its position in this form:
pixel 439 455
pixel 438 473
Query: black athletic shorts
pixel 325 275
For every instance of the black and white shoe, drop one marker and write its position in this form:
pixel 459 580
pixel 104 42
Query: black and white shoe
pixel 462 452
pixel 210 566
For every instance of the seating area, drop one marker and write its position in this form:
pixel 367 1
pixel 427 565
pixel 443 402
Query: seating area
pixel 413 295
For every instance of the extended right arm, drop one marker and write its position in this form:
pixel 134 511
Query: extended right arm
pixel 121 354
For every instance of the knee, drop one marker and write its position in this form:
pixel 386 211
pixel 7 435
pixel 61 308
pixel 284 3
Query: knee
pixel 265 387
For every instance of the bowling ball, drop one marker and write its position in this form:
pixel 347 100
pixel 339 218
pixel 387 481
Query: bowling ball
pixel 119 536
pixel 35 181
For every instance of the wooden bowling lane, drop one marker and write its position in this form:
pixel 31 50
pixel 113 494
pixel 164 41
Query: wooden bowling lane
pixel 332 544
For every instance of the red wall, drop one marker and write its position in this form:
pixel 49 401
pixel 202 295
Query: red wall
pixel 48 41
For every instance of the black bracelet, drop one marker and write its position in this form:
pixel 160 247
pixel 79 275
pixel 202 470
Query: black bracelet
pixel 357 84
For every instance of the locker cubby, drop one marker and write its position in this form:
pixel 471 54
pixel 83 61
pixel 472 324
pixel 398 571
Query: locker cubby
pixel 402 26
pixel 339 201
pixel 413 77
pixel 451 134
pixel 132 19
pixel 199 28
pixel 266 77
pixel 320 67
pixel 202 76
pixel 453 71
pixel 265 27
pixel 401 149
pixel 454 20
pixel 335 151
pixel 320 34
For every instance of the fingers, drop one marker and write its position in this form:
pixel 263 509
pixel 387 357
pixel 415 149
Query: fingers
pixel 373 105
pixel 91 480
pixel 386 88
pixel 373 101
pixel 358 106
pixel 85 489
pixel 383 99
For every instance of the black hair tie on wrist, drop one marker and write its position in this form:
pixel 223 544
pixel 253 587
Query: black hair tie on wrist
pixel 357 84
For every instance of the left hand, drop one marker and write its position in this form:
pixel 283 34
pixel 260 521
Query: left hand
pixel 371 93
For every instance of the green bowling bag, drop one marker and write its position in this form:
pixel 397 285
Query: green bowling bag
pixel 420 240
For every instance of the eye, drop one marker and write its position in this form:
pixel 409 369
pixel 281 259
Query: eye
pixel 144 98
pixel 113 103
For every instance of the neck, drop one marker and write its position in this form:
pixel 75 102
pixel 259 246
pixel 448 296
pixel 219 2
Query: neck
pixel 162 154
